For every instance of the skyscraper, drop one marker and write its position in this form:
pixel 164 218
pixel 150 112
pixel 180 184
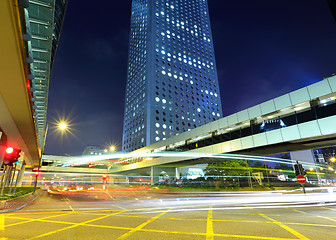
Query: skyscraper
pixel 172 83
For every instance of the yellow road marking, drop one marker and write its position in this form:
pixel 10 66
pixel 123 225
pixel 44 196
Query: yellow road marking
pixel 311 224
pixel 216 234
pixel 113 198
pixel 178 219
pixel 332 209
pixel 315 215
pixel 152 230
pixel 32 220
pixel 2 226
pixel 297 210
pixel 252 237
pixel 292 231
pixel 74 225
pixel 140 226
pixel 209 232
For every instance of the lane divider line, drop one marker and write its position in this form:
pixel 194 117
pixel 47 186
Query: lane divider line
pixel 292 231
pixel 73 226
pixel 140 226
pixel 209 230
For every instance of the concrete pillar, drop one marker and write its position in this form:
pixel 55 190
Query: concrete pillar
pixel 177 173
pixel 156 171
pixel 20 175
pixel 152 175
pixel 8 175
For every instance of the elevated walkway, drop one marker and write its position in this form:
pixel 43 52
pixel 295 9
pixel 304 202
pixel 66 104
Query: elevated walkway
pixel 303 119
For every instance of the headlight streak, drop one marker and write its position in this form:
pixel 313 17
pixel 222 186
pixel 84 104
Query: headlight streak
pixel 117 156
pixel 265 203
pixel 234 208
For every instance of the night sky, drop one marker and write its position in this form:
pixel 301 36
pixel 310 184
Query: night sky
pixel 263 49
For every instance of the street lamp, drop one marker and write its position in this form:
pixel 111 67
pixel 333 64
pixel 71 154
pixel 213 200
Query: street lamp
pixel 112 148
pixel 62 126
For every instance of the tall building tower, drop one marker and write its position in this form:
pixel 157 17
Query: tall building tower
pixel 172 83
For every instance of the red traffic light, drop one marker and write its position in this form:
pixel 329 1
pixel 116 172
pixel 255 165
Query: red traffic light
pixel 37 173
pixel 9 150
pixel 11 155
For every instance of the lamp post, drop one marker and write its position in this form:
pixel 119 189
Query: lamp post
pixel 61 126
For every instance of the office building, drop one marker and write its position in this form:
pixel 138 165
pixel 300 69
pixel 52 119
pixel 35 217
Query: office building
pixel 172 84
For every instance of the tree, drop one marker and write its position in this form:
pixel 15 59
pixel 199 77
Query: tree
pixel 230 167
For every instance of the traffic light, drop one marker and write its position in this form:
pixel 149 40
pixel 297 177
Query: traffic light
pixel 104 177
pixel 299 170
pixel 302 171
pixel 11 156
pixel 37 173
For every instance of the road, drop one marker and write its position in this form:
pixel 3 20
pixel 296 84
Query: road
pixel 141 214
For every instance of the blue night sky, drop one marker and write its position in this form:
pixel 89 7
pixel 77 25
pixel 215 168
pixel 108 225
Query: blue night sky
pixel 263 49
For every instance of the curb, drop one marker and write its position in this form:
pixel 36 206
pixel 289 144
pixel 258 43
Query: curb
pixel 18 203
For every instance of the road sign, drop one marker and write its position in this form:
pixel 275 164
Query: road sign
pixel 301 179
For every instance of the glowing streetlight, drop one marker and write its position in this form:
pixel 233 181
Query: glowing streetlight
pixel 333 159
pixel 311 169
pixel 112 148
pixel 62 126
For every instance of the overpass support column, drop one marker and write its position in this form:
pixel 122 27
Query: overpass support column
pixel 161 173
pixel 152 175
pixel 20 175
pixel 177 173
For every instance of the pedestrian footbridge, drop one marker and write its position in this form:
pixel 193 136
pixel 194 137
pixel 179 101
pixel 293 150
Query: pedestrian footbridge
pixel 302 119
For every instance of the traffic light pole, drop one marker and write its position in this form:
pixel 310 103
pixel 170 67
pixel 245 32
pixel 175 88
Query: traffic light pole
pixel 12 181
pixel 3 179
pixel 301 173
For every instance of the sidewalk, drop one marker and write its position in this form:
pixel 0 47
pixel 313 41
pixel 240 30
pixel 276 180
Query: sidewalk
pixel 15 204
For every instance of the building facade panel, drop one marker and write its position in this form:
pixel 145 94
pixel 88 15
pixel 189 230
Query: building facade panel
pixel 290 133
pixel 274 136
pixel 282 102
pixel 327 125
pixel 259 139
pixel 254 111
pixel 332 83
pixel 299 96
pixel 309 129
pixel 243 115
pixel 319 89
pixel 267 107
pixel 247 142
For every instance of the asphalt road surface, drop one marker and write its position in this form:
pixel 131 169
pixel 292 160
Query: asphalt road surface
pixel 142 214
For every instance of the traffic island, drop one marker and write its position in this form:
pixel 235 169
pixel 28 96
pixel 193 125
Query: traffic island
pixel 22 197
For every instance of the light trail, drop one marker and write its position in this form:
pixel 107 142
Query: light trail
pixel 144 156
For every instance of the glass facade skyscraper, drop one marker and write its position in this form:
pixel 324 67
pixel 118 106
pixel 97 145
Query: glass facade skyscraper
pixel 172 83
